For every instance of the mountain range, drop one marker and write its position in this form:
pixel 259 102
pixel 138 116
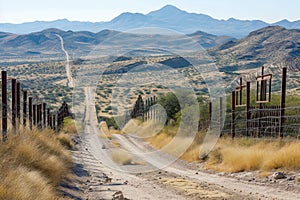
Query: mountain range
pixel 259 47
pixel 168 17
pixel 46 43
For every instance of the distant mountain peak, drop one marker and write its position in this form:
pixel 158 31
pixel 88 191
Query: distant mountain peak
pixel 166 10
pixel 167 17
pixel 285 20
pixel 169 7
pixel 129 16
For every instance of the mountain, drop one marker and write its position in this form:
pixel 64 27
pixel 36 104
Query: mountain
pixel 47 44
pixel 259 47
pixel 168 17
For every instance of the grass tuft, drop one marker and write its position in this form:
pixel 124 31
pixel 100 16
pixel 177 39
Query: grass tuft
pixel 32 165
pixel 122 157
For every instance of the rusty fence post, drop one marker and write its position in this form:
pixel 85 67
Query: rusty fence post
pixel 247 108
pixel 221 115
pixel 18 104
pixel 282 102
pixel 53 121
pixel 39 115
pixel 30 112
pixel 13 103
pixel 233 115
pixel 44 115
pixel 4 105
pixel 34 114
pixel 48 117
pixel 24 107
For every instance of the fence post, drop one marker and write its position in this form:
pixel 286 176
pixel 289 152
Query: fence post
pixel 59 117
pixel 53 122
pixel 39 116
pixel 247 108
pixel 24 107
pixel 241 91
pixel 34 114
pixel 30 111
pixel 233 115
pixel 210 111
pixel 44 115
pixel 4 105
pixel 13 103
pixel 221 115
pixel 282 102
pixel 48 117
pixel 18 104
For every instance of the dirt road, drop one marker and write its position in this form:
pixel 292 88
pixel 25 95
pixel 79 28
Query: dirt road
pixel 150 175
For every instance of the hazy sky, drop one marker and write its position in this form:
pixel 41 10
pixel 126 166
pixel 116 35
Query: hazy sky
pixel 104 10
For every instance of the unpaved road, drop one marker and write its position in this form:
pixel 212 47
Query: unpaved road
pixel 98 177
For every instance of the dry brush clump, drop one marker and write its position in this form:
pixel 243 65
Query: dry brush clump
pixel 33 164
pixel 237 155
pixel 232 156
pixel 122 157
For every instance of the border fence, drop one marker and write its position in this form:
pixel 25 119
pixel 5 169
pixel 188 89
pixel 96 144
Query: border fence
pixel 34 112
pixel 245 118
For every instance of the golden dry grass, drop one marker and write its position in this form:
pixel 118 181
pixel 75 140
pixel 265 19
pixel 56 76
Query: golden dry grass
pixel 233 157
pixel 166 135
pixel 121 156
pixel 65 140
pixel 26 184
pixel 105 132
pixel 33 163
pixel 242 154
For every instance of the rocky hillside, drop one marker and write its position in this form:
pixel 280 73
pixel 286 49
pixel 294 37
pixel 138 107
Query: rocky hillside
pixel 259 47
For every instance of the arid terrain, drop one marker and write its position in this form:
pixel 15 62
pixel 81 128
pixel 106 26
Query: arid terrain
pixel 130 161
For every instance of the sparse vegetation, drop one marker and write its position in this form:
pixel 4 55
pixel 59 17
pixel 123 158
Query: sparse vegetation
pixel 233 156
pixel 237 155
pixel 122 157
pixel 33 163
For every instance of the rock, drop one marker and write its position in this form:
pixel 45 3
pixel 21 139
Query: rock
pixel 118 196
pixel 278 175
pixel 291 178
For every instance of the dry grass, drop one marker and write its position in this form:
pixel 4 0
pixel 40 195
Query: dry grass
pixel 65 140
pixel 26 185
pixel 33 163
pixel 69 126
pixel 122 157
pixel 165 137
pixel 105 132
pixel 233 157
pixel 264 174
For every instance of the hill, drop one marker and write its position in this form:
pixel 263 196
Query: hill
pixel 47 44
pixel 259 47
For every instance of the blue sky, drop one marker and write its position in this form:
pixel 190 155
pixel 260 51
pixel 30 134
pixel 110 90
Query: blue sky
pixel 17 11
